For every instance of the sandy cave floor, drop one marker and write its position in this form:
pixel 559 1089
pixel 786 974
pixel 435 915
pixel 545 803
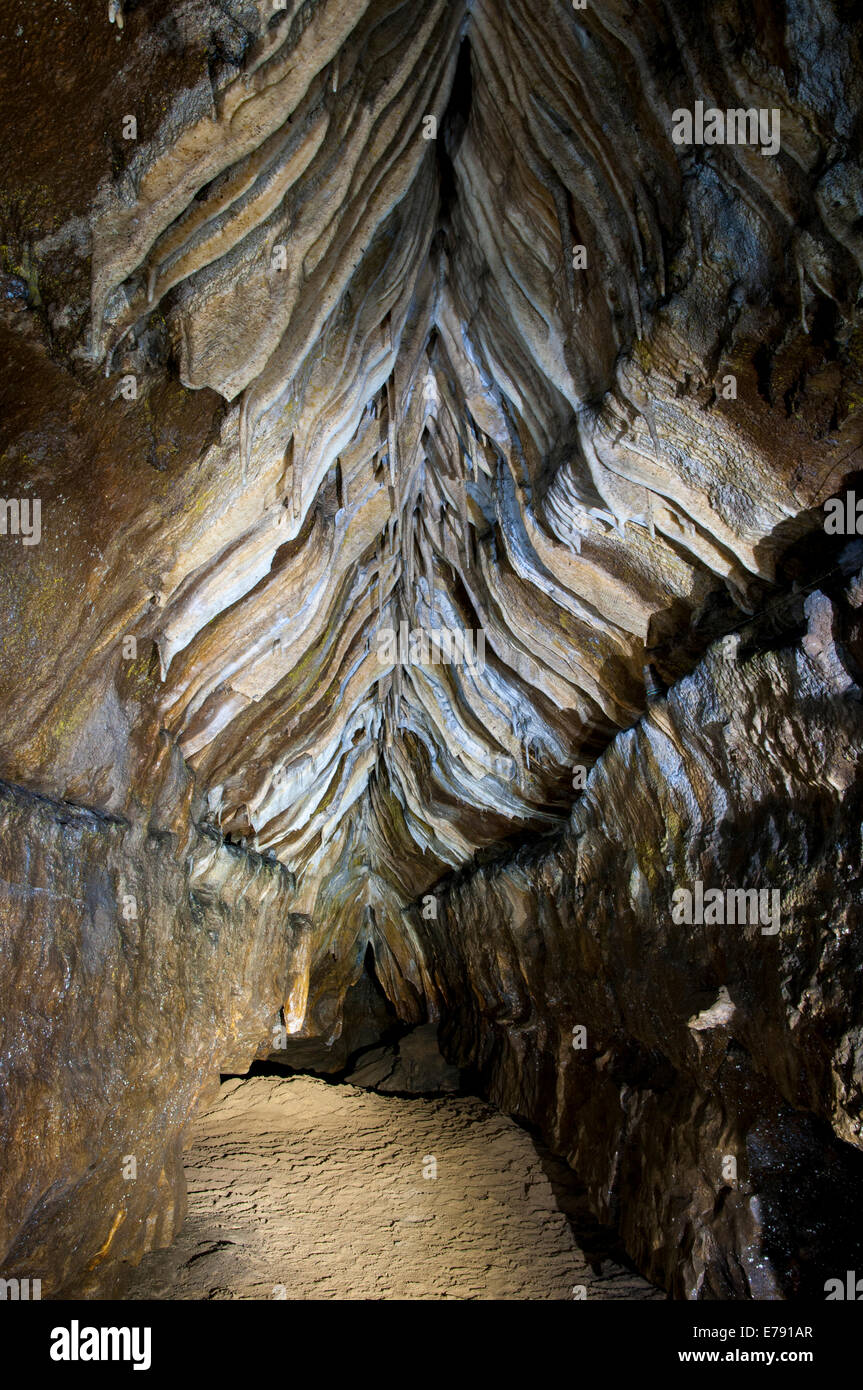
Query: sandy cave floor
pixel 306 1190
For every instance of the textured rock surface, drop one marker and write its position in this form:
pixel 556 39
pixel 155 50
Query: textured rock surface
pixel 366 1018
pixel 420 412
pixel 303 1190
pixel 373 386
pixel 114 1027
pixel 412 1065
pixel 703 1042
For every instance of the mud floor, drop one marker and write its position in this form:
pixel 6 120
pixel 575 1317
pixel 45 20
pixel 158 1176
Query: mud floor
pixel 302 1189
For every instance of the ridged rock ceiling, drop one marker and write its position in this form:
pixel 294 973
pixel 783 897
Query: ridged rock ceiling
pixel 440 416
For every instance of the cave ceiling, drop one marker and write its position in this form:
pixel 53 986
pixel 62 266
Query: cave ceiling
pixel 472 315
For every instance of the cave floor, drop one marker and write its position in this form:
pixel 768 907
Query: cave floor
pixel 302 1189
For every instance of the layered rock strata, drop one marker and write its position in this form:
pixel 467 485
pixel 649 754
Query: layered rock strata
pixel 133 974
pixel 410 399
pixel 703 1079
pixel 302 1190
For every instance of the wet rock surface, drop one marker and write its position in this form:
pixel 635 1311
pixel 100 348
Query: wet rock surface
pixel 367 1018
pixel 371 388
pixel 702 1079
pixel 132 975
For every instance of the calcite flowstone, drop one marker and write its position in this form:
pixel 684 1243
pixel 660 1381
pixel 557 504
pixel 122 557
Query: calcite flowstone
pixel 133 973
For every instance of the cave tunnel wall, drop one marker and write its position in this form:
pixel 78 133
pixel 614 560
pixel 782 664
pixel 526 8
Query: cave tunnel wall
pixel 136 969
pixel 652 1051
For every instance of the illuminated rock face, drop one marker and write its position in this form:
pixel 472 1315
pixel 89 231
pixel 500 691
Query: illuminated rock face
pixel 388 318
pixel 135 972
pixel 698 1074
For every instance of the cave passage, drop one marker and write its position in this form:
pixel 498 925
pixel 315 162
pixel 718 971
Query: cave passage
pixel 431 621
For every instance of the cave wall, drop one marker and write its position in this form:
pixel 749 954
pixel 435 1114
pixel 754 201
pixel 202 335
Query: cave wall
pixel 702 1042
pixel 135 968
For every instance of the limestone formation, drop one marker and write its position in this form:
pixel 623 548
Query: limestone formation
pixel 430 430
